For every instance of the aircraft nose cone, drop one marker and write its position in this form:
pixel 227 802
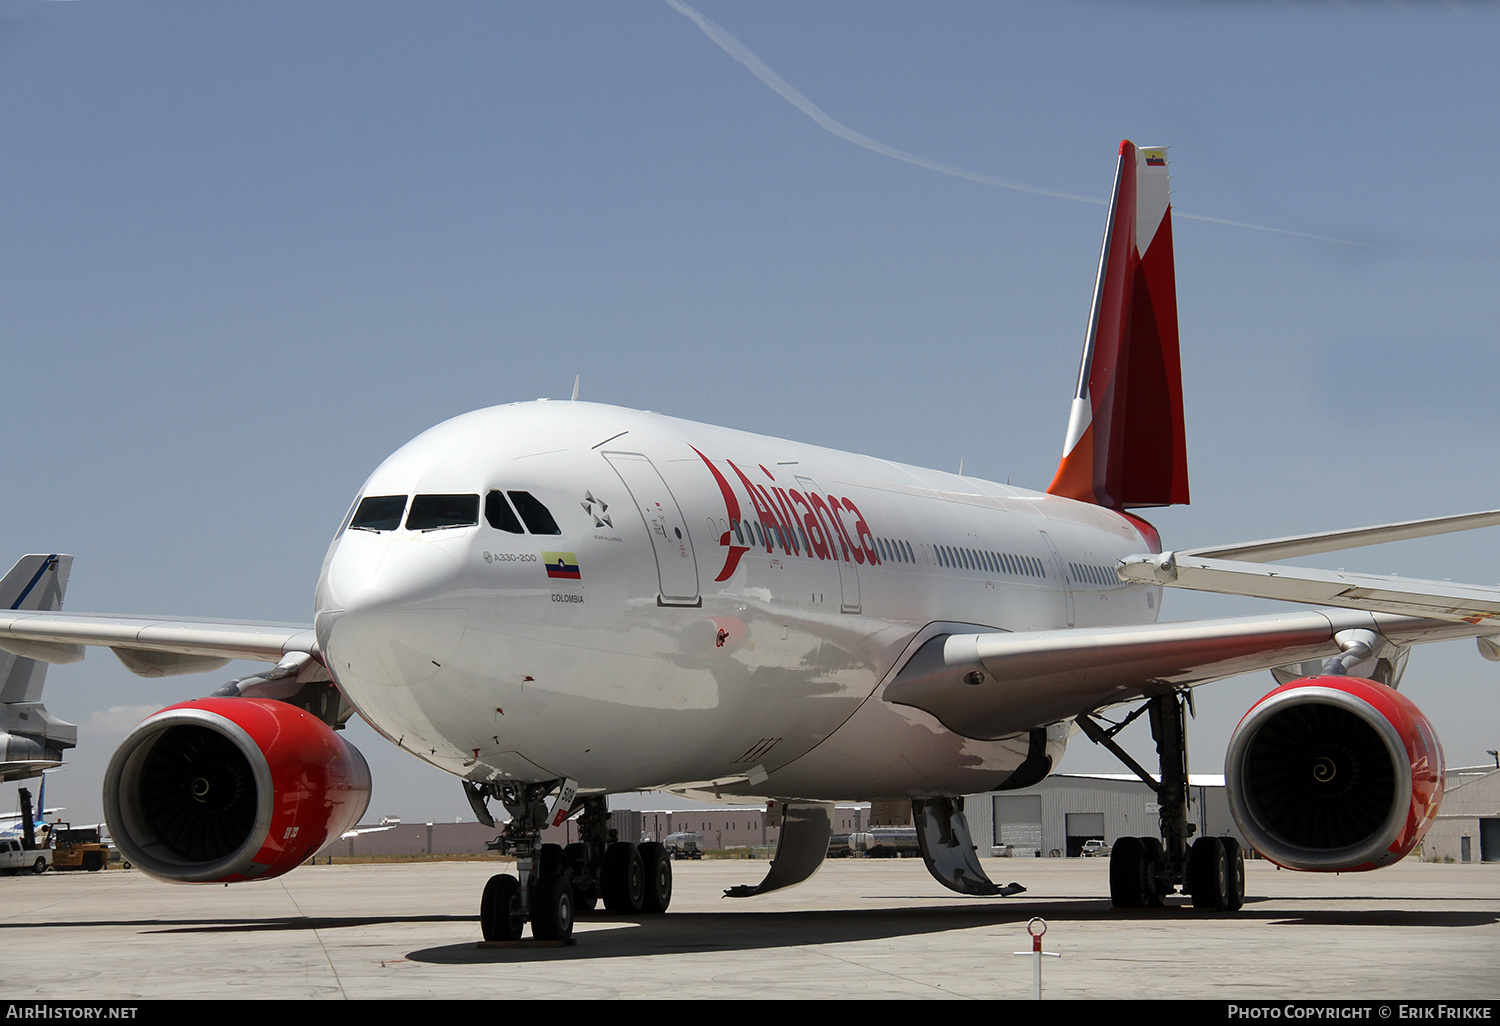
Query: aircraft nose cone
pixel 391 611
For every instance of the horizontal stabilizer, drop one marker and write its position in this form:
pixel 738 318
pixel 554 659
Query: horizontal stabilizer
pixel 1333 541
pixel 1240 570
pixel 1443 600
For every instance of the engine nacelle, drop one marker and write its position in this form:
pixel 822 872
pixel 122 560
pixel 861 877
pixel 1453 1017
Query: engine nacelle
pixel 217 790
pixel 1334 774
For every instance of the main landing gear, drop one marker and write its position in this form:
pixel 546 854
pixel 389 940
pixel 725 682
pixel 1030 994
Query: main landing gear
pixel 555 883
pixel 1144 870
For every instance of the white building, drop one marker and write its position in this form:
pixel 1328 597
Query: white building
pixel 1055 817
pixel 1468 823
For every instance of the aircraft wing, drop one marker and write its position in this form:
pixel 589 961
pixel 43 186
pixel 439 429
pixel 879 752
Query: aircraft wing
pixel 996 684
pixel 151 646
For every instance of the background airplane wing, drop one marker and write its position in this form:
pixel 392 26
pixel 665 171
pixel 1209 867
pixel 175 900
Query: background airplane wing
pixel 996 684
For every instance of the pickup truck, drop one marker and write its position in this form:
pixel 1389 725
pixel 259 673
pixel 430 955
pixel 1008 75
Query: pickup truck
pixel 14 858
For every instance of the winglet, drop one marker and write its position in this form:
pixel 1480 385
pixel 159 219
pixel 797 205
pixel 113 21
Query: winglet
pixel 1126 445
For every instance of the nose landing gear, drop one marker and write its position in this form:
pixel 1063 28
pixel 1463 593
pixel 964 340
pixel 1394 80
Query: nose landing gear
pixel 554 883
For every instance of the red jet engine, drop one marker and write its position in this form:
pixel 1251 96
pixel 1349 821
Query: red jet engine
pixel 218 790
pixel 1334 774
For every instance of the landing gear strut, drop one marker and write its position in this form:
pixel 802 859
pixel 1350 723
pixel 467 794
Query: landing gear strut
pixel 543 894
pixel 555 883
pixel 1144 870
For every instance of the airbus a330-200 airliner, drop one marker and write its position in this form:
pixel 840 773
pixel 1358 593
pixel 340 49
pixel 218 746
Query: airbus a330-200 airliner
pixel 556 601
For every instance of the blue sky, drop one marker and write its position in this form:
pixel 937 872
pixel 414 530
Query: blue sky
pixel 253 248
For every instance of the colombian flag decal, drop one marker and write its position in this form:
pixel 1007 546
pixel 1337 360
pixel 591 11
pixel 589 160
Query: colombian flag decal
pixel 562 565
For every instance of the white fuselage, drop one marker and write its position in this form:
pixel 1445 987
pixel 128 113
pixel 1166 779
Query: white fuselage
pixel 718 609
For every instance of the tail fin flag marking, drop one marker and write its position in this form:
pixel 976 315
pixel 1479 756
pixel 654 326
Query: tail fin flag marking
pixel 1126 446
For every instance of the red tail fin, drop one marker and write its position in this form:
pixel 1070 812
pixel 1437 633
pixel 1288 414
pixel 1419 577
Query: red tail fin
pixel 1126 445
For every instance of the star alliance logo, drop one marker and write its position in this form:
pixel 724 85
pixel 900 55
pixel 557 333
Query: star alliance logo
pixel 601 519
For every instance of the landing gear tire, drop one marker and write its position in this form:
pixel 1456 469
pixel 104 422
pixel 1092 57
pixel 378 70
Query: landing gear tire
pixel 552 908
pixel 1154 855
pixel 585 890
pixel 624 879
pixel 498 918
pixel 550 860
pixel 1235 856
pixel 1208 874
pixel 657 866
pixel 1127 873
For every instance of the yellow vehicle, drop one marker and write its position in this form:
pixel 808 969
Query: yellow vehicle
pixel 78 849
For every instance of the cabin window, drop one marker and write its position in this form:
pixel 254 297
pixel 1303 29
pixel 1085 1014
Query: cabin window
pixel 435 512
pixel 379 513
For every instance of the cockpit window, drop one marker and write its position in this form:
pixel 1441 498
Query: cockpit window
pixel 538 519
pixel 433 512
pixel 499 515
pixel 379 513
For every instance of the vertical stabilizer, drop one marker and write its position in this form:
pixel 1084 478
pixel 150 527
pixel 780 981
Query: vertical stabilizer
pixel 31 739
pixel 1126 446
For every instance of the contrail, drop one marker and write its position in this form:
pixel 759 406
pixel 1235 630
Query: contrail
pixel 758 68
pixel 1267 228
pixel 740 52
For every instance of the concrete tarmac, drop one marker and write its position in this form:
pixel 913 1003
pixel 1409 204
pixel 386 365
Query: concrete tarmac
pixel 858 929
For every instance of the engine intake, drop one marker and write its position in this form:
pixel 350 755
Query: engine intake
pixel 1334 774
pixel 218 790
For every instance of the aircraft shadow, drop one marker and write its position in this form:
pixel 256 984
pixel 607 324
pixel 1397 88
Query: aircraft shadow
pixel 233 925
pixel 680 933
pixel 746 929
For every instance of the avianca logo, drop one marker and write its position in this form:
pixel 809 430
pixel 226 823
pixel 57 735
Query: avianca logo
pixel 811 525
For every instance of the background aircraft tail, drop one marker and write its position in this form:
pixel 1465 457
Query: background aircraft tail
pixel 1126 446
pixel 31 739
